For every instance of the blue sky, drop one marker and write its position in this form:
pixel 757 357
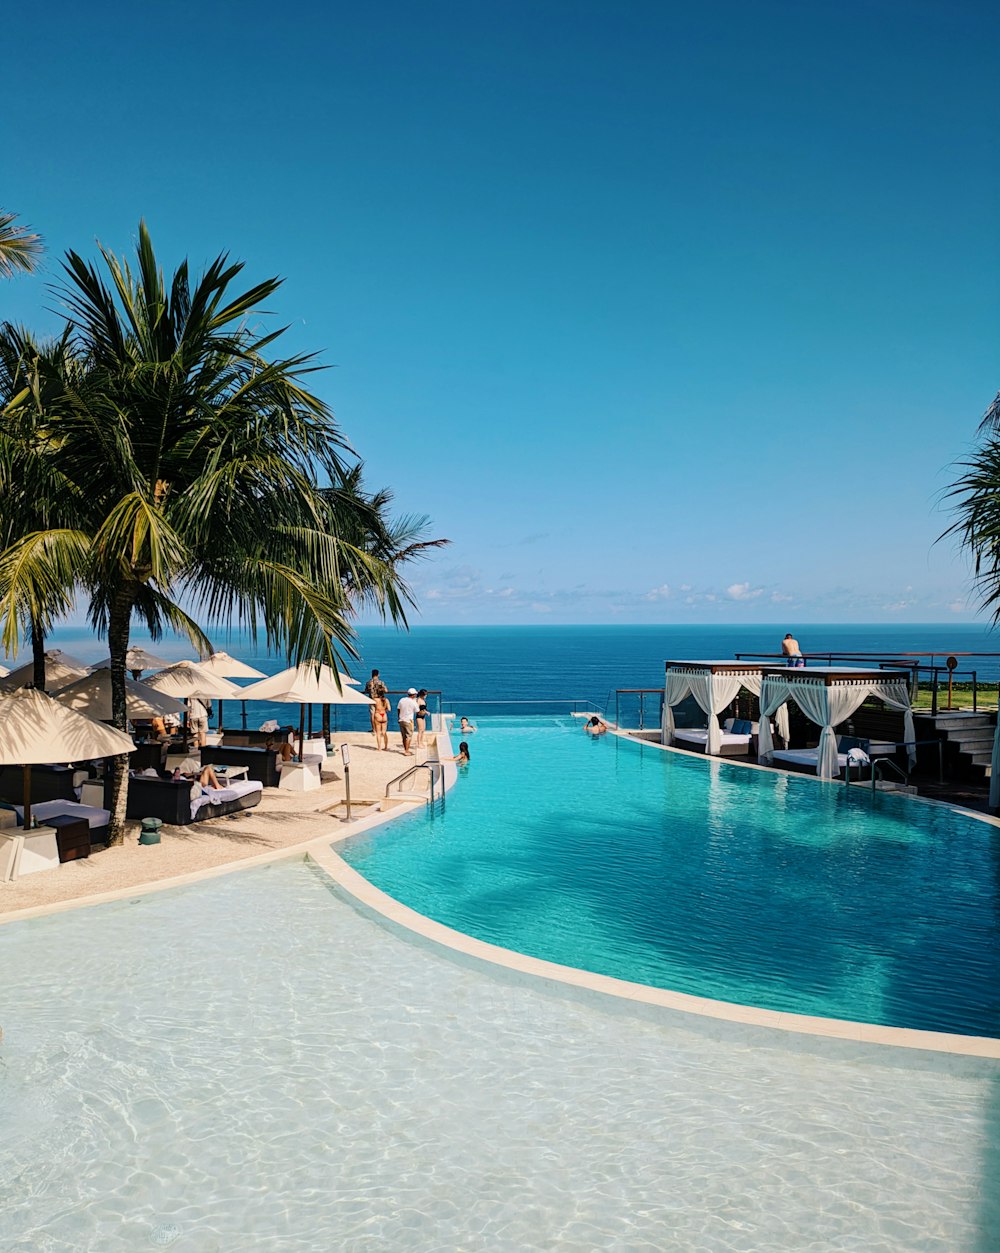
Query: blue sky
pixel 662 312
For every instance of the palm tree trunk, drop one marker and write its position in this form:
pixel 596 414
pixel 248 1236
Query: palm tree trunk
pixel 38 654
pixel 119 622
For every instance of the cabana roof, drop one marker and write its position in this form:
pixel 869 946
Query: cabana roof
pixel 729 666
pixel 841 674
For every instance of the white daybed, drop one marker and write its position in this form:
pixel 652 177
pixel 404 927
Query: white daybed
pixel 730 743
pixel 218 796
pixel 40 810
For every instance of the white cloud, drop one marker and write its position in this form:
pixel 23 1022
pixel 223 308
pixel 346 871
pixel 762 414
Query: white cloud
pixel 743 591
pixel 658 593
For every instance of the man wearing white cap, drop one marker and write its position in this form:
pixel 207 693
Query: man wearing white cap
pixel 406 711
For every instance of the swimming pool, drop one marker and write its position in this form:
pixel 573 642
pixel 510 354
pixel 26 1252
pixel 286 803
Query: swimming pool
pixel 250 1063
pixel 708 878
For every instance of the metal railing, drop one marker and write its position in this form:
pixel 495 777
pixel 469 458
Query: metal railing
pixel 929 673
pixel 422 765
pixel 878 762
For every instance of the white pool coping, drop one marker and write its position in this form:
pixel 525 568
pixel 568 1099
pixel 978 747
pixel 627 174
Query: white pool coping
pixel 319 850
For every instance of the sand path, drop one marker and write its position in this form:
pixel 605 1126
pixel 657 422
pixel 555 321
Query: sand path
pixel 282 821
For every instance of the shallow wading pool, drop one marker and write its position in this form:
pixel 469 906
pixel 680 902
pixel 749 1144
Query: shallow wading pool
pixel 250 1063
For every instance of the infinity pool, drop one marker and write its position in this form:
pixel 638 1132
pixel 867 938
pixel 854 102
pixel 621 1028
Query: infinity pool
pixel 707 878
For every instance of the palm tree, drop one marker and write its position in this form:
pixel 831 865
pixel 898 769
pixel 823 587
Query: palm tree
pixel 201 463
pixel 976 496
pixel 41 544
pixel 375 545
pixel 19 248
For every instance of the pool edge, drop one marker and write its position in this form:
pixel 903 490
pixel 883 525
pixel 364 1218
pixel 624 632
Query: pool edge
pixel 372 898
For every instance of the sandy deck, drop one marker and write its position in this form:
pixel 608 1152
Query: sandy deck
pixel 282 820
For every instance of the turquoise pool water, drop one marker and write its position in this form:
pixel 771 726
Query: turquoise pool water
pixel 707 878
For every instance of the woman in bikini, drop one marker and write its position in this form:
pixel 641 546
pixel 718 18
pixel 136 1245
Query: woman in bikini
pixel 380 723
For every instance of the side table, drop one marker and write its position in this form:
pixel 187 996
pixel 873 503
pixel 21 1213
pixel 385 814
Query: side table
pixel 72 836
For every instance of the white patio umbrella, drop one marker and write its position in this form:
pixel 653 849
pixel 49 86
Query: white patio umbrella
pixel 136 660
pixel 60 669
pixel 37 730
pixel 304 685
pixel 92 695
pixel 186 678
pixel 230 668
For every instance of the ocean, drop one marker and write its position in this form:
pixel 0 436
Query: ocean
pixel 493 669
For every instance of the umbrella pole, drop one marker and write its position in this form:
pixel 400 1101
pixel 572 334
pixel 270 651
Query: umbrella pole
pixel 310 721
pixel 302 729
pixel 244 704
pixel 220 715
pixel 26 796
pixel 326 724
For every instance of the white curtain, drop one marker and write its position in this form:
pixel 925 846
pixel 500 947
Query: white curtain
pixel 774 691
pixel 714 692
pixel 676 689
pixel 897 696
pixel 753 683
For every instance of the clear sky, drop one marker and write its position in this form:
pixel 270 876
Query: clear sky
pixel 662 312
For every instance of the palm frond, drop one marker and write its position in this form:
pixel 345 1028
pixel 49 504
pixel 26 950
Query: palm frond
pixel 20 248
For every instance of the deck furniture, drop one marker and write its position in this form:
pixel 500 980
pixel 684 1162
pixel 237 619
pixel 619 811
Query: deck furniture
pixel 181 802
pixel 732 743
pixel 828 695
pixel 72 836
pixel 261 763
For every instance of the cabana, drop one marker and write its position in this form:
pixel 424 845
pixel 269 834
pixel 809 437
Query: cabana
pixel 714 686
pixel 828 695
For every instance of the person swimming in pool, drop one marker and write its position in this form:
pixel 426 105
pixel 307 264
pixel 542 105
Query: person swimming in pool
pixel 595 726
pixel 465 726
pixel 462 756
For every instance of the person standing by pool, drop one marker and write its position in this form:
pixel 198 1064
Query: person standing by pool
pixel 790 649
pixel 373 689
pixel 421 717
pixel 406 713
pixel 380 722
